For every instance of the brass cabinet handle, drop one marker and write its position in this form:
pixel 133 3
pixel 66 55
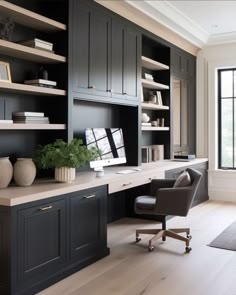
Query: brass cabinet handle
pixel 89 196
pixel 45 208
pixel 124 93
pixel 126 184
pixel 92 87
pixel 110 90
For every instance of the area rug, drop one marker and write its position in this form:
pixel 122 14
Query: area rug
pixel 227 239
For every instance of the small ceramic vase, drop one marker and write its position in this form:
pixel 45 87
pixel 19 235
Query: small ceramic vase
pixel 24 171
pixel 64 174
pixel 145 118
pixel 6 172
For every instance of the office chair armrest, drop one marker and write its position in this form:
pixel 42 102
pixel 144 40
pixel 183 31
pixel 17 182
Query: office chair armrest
pixel 173 201
pixel 160 183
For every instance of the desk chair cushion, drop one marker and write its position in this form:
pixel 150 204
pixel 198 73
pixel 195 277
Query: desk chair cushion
pixel 183 180
pixel 145 202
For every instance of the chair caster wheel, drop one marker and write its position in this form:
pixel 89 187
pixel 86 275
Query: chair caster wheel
pixel 150 249
pixel 138 240
pixel 188 249
pixel 189 237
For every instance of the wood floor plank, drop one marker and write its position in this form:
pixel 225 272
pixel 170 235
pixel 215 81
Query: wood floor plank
pixel 132 270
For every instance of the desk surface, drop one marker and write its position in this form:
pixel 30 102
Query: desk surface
pixel 42 189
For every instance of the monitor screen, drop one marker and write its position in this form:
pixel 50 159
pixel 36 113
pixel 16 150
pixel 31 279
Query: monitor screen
pixel 110 142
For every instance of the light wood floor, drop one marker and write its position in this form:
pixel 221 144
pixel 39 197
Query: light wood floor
pixel 132 270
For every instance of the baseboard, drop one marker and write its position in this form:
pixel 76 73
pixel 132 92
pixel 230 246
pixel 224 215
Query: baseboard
pixel 222 196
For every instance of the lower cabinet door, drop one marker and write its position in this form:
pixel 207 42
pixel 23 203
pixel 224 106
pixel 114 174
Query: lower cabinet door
pixel 88 222
pixel 41 241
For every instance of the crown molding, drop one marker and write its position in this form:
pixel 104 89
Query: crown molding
pixel 166 14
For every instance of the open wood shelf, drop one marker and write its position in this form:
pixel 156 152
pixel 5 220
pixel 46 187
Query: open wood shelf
pixel 29 18
pixel 28 53
pixel 153 106
pixel 153 65
pixel 154 85
pixel 18 126
pixel 29 89
pixel 150 128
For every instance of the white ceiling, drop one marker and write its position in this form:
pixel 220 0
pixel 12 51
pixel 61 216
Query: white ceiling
pixel 201 22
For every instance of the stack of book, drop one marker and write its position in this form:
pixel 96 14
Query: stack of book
pixel 29 118
pixel 38 44
pixel 146 124
pixel 41 82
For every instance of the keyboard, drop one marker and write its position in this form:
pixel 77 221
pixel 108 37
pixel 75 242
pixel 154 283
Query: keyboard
pixel 128 171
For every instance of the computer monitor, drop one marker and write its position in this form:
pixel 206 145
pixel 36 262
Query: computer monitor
pixel 110 142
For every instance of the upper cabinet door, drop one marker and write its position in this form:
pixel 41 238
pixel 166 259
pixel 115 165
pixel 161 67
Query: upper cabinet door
pixel 90 50
pixel 132 64
pixel 117 58
pixel 99 53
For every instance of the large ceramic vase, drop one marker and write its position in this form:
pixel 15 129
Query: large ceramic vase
pixel 64 174
pixel 24 171
pixel 6 172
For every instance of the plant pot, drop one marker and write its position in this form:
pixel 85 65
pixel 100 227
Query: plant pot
pixel 64 174
pixel 6 172
pixel 24 171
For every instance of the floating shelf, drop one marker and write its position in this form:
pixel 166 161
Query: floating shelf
pixel 16 126
pixel 29 18
pixel 153 65
pixel 147 128
pixel 152 106
pixel 29 89
pixel 28 53
pixel 154 85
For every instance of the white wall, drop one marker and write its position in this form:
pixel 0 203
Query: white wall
pixel 222 184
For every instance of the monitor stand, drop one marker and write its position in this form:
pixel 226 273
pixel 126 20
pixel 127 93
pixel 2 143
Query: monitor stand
pixel 99 171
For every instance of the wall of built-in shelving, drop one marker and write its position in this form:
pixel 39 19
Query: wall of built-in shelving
pixel 23 60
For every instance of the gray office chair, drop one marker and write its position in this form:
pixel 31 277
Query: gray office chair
pixel 167 197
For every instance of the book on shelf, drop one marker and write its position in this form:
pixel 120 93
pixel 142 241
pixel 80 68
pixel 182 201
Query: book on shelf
pixel 38 43
pixel 185 157
pixel 44 120
pixel 146 154
pixel 29 114
pixel 41 82
pixel 28 118
pixel 6 121
pixel 159 98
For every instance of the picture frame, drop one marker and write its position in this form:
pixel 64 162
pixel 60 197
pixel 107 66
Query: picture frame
pixel 5 74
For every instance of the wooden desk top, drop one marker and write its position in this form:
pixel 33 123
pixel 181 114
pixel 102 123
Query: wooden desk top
pixel 42 189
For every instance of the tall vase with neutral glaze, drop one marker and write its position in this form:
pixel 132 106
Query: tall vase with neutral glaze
pixel 6 172
pixel 24 171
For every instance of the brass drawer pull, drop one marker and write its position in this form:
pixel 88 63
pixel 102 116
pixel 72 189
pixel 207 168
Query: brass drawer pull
pixel 92 87
pixel 45 208
pixel 126 184
pixel 89 196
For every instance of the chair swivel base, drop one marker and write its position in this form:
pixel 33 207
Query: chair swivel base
pixel 160 233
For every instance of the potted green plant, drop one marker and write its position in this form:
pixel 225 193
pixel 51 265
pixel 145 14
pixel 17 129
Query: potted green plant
pixel 64 157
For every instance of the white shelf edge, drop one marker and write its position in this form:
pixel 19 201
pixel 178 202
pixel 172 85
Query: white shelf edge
pixel 153 85
pixel 31 126
pixel 152 106
pixel 150 128
pixel 29 89
pixel 151 64
pixel 28 53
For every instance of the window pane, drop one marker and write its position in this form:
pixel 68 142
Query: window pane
pixel 226 133
pixel 227 84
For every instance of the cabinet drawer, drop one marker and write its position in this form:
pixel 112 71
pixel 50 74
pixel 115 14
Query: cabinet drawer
pixel 126 182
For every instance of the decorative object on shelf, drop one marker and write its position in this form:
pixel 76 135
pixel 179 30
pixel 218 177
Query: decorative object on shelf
pixel 154 123
pixel 6 172
pixel 160 122
pixel 146 154
pixel 152 98
pixel 24 171
pixel 41 82
pixel 157 152
pixel 5 74
pixel 38 44
pixel 148 76
pixel 61 155
pixel 6 121
pixel 159 98
pixel 145 118
pixel 6 28
pixel 30 118
pixel 43 73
